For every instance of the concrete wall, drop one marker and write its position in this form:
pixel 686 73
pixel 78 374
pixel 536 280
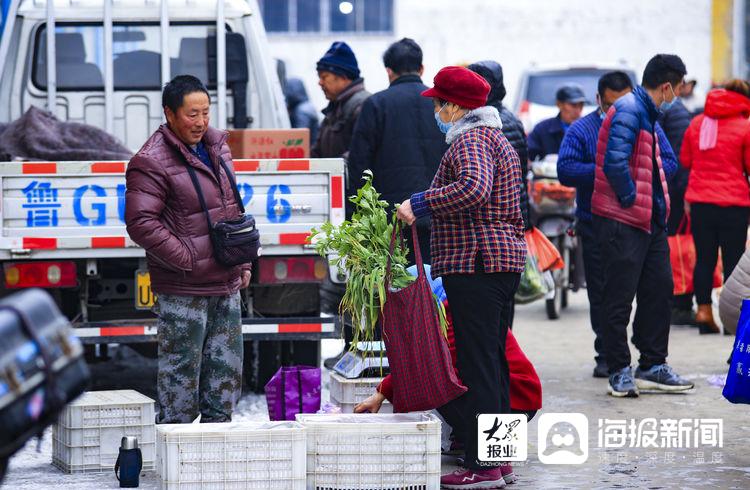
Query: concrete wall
pixel 518 33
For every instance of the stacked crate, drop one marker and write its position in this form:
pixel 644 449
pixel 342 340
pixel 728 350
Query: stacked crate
pixel 86 438
pixel 238 455
pixel 372 451
pixel 347 393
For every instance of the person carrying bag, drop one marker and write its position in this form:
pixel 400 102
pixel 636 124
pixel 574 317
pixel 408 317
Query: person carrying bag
pixel 478 248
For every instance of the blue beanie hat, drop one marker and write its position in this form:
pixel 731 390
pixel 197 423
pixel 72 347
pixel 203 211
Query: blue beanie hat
pixel 340 59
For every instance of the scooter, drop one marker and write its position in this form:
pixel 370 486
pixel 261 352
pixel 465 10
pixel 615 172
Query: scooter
pixel 553 207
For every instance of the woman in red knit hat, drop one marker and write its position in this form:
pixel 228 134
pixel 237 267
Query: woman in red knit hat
pixel 478 248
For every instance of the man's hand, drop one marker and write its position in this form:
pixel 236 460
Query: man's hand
pixel 371 404
pixel 405 214
pixel 246 275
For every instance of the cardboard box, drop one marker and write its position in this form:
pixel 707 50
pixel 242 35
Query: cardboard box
pixel 269 143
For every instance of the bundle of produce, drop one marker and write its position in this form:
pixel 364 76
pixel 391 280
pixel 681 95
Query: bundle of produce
pixel 361 247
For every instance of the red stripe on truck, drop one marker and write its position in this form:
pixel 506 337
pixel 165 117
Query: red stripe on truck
pixel 118 331
pixel 108 242
pixel 39 168
pixel 337 192
pixel 108 167
pixel 40 243
pixel 293 238
pixel 246 165
pixel 300 327
pixel 294 165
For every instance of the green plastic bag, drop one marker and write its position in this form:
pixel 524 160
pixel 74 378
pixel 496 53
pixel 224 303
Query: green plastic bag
pixel 533 285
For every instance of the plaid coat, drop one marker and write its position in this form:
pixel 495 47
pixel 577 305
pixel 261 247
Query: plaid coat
pixel 474 200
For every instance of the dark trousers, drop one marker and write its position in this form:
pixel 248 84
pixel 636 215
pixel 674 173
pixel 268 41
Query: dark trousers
pixel 714 227
pixel 594 282
pixel 479 307
pixel 635 264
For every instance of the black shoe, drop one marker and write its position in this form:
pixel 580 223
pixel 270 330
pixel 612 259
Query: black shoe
pixel 683 317
pixel 601 370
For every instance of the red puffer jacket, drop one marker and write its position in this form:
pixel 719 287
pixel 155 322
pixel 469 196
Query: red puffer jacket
pixel 718 175
pixel 164 216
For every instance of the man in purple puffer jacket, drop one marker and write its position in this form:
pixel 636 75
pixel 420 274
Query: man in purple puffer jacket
pixel 630 205
pixel 198 305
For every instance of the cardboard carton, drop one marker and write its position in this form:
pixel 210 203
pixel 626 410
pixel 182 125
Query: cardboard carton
pixel 269 143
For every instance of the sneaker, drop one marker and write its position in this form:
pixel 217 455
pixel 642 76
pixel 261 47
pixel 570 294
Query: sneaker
pixel 621 384
pixel 601 370
pixel 661 378
pixel 507 471
pixel 465 478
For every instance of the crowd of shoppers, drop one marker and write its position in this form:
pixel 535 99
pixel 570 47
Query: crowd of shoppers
pixel 453 159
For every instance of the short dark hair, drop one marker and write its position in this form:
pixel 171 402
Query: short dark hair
pixel 404 56
pixel 616 81
pixel 663 68
pixel 175 91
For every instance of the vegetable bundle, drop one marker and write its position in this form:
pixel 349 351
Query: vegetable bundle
pixel 361 247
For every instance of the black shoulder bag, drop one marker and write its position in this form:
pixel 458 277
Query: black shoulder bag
pixel 236 241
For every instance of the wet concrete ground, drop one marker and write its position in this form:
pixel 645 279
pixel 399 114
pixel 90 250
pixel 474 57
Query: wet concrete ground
pixel 562 352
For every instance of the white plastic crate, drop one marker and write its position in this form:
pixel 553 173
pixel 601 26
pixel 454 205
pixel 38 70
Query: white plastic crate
pixel 231 456
pixel 86 438
pixel 347 393
pixel 372 451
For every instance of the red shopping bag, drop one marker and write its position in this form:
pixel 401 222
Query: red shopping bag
pixel 546 254
pixel 420 361
pixel 682 257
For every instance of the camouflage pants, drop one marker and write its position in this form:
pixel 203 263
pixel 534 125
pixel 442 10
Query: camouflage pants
pixel 200 357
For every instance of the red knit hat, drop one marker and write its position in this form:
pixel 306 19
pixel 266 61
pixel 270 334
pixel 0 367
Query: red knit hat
pixel 461 86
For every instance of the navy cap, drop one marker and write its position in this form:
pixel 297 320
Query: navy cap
pixel 572 93
pixel 340 59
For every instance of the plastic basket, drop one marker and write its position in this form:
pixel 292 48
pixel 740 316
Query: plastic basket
pixel 86 438
pixel 372 451
pixel 347 393
pixel 240 455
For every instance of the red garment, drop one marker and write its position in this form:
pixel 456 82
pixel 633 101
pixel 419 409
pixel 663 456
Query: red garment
pixel 525 387
pixel 719 175
pixel 164 216
pixel 461 86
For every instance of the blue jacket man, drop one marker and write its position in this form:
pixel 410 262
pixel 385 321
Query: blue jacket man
pixel 576 165
pixel 630 206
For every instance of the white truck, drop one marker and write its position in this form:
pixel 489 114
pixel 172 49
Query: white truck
pixel 62 223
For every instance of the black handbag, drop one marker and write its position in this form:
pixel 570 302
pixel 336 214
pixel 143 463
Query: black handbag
pixel 237 241
pixel 41 368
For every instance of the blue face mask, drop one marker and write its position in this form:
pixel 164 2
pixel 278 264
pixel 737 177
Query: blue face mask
pixel 665 106
pixel 444 127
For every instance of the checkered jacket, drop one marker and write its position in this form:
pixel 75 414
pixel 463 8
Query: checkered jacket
pixel 474 200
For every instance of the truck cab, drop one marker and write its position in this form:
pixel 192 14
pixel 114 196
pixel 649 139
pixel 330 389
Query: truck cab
pixel 62 222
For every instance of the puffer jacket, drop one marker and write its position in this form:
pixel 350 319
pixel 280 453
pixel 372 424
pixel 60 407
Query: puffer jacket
pixel 513 130
pixel 719 175
pixel 335 134
pixel 623 182
pixel 164 216
pixel 735 290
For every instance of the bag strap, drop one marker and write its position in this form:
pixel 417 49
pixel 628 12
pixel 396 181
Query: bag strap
pixel 283 394
pixel 199 191
pixel 55 399
pixel 234 185
pixel 684 227
pixel 398 230
pixel 299 389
